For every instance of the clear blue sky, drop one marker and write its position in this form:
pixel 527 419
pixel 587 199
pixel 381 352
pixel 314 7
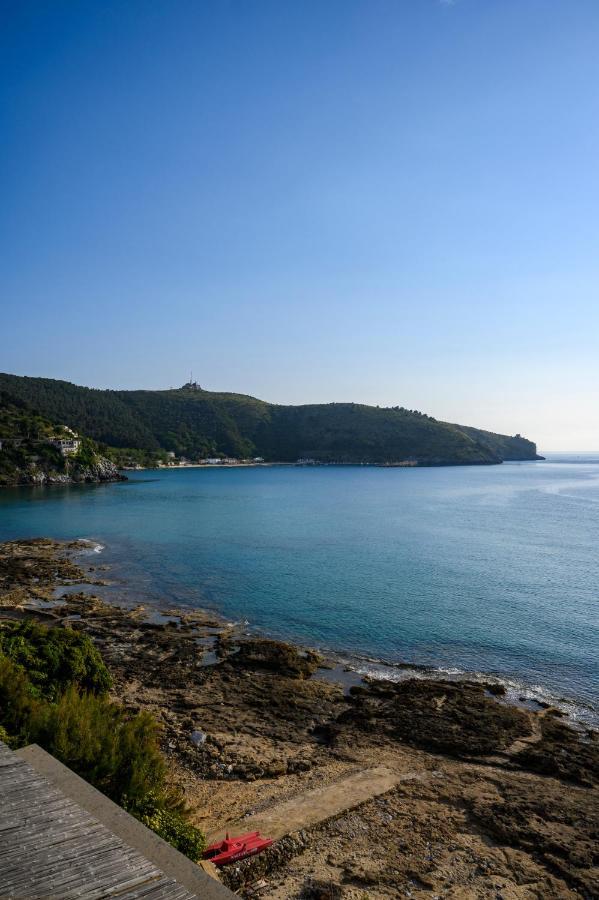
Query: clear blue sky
pixel 384 201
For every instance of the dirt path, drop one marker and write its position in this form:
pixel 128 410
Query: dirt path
pixel 320 804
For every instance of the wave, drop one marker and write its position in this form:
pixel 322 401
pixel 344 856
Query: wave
pixel 517 691
pixel 95 546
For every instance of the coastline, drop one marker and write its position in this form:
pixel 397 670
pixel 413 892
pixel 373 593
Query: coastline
pixel 408 464
pixel 272 723
pixel 239 465
pixel 354 666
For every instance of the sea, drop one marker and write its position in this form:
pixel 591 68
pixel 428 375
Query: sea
pixel 477 571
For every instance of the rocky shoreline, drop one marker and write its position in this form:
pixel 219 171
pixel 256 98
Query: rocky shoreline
pixel 97 471
pixel 501 801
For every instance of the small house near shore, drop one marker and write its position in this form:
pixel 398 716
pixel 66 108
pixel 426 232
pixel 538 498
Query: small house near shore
pixel 67 446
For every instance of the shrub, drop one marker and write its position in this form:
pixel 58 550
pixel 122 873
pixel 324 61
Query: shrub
pixel 16 701
pixel 95 737
pixel 169 823
pixel 54 658
pixel 115 751
pixel 87 455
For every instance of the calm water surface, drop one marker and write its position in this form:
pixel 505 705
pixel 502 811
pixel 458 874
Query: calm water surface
pixel 491 569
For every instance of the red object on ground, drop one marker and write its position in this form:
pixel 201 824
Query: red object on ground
pixel 233 849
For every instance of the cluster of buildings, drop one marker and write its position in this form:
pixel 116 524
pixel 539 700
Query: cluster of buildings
pixel 228 461
pixel 212 461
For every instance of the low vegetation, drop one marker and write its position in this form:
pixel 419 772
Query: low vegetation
pixel 54 692
pixel 54 659
pixel 168 823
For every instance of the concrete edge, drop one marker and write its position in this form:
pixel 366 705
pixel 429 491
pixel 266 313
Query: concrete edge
pixel 262 821
pixel 132 832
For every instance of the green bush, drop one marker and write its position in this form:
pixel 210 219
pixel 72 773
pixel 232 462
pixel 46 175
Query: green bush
pixel 16 701
pixel 87 455
pixel 95 737
pixel 169 823
pixel 116 752
pixel 54 658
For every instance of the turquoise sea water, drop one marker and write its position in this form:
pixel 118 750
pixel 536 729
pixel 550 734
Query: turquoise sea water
pixel 491 569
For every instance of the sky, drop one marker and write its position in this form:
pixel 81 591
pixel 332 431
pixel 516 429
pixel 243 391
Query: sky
pixel 392 202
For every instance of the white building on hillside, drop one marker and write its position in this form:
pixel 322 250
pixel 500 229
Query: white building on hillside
pixel 67 446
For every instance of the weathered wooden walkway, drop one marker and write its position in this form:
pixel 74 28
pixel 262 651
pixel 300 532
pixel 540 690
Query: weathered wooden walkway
pixel 51 847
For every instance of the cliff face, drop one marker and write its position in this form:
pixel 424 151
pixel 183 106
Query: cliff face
pixel 509 449
pixel 99 469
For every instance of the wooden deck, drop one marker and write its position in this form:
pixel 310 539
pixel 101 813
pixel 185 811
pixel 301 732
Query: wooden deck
pixel 51 847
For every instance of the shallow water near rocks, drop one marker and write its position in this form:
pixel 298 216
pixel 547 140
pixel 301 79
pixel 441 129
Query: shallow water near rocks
pixel 490 569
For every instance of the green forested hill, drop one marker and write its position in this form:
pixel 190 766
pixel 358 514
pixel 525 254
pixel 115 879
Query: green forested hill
pixel 203 423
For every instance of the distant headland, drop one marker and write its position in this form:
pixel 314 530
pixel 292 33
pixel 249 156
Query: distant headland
pixel 145 427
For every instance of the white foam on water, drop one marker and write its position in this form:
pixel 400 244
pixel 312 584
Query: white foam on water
pixel 95 547
pixel 516 691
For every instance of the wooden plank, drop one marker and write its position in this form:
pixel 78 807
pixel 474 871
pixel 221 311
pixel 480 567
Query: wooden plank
pixel 51 847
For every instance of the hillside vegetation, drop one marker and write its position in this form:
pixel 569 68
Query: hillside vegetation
pixel 198 424
pixel 28 456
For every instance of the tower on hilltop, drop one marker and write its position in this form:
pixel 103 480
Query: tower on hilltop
pixel 191 385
